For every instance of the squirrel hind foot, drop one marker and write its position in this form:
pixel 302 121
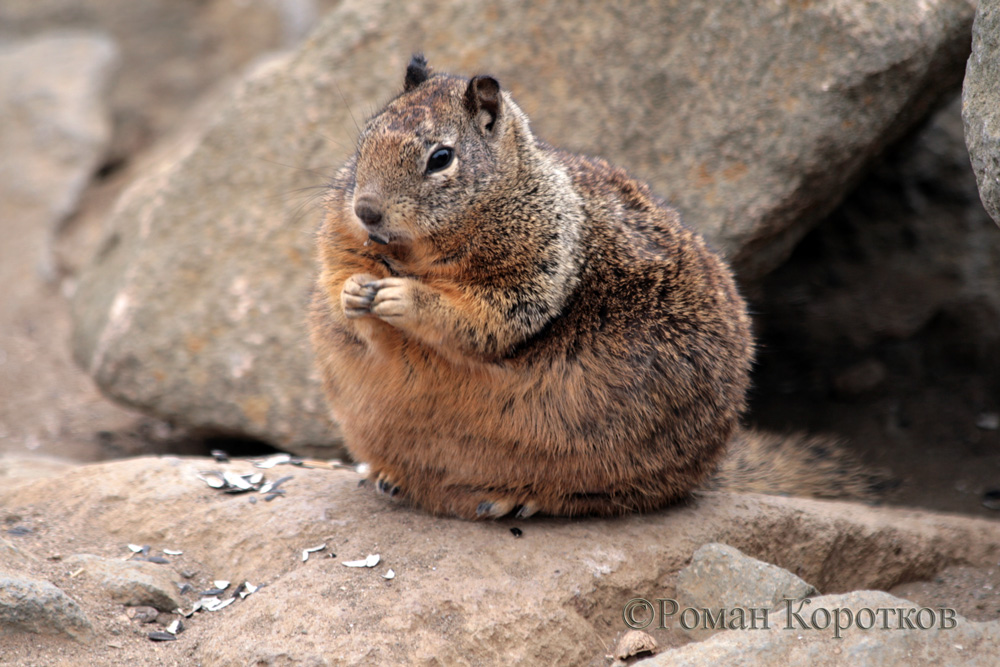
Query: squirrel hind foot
pixel 489 509
pixel 385 485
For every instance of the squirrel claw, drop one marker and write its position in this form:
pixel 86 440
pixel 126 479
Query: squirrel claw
pixel 357 296
pixel 526 510
pixel 386 486
pixel 494 510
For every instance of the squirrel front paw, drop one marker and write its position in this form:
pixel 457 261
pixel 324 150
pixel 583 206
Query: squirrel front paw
pixel 357 295
pixel 393 300
pixel 385 484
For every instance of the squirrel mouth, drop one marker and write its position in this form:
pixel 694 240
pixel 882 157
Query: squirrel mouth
pixel 377 239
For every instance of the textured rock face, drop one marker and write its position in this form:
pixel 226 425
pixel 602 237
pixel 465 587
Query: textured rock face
pixel 54 129
pixel 721 577
pixel 55 126
pixel 38 607
pixel 11 556
pixel 753 118
pixel 981 104
pixel 131 582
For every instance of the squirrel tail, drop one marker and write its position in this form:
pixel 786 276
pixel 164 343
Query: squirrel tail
pixel 797 464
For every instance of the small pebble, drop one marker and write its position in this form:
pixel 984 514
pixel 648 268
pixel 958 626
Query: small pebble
pixel 633 643
pixel 142 614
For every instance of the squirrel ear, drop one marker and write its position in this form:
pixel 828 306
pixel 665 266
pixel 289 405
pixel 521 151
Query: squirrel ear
pixel 416 72
pixel 483 95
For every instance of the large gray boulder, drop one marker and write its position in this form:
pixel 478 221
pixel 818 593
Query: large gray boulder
pixel 753 118
pixel 55 129
pixel 981 104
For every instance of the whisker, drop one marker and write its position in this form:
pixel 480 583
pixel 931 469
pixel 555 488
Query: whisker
pixel 348 107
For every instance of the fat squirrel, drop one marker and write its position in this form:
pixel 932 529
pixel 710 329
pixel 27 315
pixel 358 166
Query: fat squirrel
pixel 504 327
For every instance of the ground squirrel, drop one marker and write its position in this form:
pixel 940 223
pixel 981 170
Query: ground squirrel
pixel 504 327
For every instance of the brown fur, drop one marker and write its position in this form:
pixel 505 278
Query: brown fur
pixel 523 329
pixel 796 464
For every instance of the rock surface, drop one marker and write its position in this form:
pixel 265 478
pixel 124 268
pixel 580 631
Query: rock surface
pixel 38 607
pixel 981 104
pixel 11 557
pixel 967 643
pixel 229 305
pixel 55 127
pixel 463 593
pixel 773 111
pixel 633 643
pixel 721 577
pixel 131 583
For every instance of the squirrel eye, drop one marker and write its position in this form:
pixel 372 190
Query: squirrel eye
pixel 440 159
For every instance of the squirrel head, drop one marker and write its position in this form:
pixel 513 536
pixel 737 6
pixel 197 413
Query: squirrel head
pixel 425 160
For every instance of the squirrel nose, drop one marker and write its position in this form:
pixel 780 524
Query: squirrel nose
pixel 368 210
